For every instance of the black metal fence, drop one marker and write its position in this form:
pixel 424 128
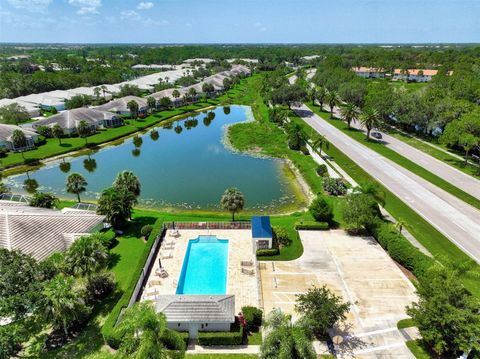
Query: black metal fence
pixel 209 225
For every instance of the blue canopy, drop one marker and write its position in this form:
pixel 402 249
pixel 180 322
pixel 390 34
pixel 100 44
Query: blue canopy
pixel 261 227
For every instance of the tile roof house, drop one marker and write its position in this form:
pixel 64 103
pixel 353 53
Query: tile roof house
pixel 6 132
pixel 120 106
pixel 369 72
pixel 194 313
pixel 40 231
pixel 416 75
pixel 70 119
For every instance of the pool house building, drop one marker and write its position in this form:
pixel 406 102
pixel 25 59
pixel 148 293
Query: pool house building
pixel 262 232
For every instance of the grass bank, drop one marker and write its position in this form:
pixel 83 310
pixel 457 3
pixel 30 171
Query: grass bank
pixel 397 158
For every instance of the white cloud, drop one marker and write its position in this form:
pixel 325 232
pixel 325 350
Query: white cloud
pixel 31 5
pixel 86 6
pixel 257 24
pixel 145 5
pixel 129 15
pixel 150 22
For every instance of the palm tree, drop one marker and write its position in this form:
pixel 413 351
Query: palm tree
pixel 143 330
pixel 57 132
pixel 319 142
pixel 19 141
pixel 133 108
pixel 374 190
pixel 370 118
pixel 116 205
pixel 176 95
pixel 350 113
pixel 333 100
pixel 128 180
pixel 83 130
pixel 62 303
pixel 399 225
pixel 104 89
pixel 232 201
pixel 76 184
pixel 152 103
pixel 87 255
pixel 320 94
pixel 96 92
pixel 192 93
pixel 284 339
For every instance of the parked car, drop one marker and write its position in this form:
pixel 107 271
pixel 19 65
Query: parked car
pixel 377 135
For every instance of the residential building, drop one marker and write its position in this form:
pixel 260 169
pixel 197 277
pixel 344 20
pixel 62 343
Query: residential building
pixel 262 233
pixel 120 106
pixel 414 75
pixel 6 141
pixel 70 119
pixel 369 72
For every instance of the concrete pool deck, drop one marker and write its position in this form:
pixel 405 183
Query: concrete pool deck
pixel 359 270
pixel 240 248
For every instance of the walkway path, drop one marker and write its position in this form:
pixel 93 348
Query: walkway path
pixel 457 220
pixel 466 183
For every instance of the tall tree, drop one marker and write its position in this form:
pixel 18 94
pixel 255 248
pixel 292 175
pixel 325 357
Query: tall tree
pixel 320 95
pixel 128 180
pixel 350 113
pixel 152 103
pixel 319 142
pixel 133 108
pixel 87 255
pixel 370 119
pixel 176 95
pixel 57 132
pixel 13 114
pixel 333 100
pixel 232 201
pixel 76 184
pixel 116 205
pixel 19 141
pixel 83 130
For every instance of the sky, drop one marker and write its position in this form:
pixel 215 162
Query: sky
pixel 240 21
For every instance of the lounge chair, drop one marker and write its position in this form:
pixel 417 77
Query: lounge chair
pixel 166 256
pixel 154 283
pixel 162 273
pixel 248 271
pixel 248 263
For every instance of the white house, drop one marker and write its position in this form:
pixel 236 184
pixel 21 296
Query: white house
pixel 369 72
pixel 70 119
pixel 414 75
pixel 120 106
pixel 6 132
pixel 194 313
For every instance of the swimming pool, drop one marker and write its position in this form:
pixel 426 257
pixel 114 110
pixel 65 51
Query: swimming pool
pixel 204 269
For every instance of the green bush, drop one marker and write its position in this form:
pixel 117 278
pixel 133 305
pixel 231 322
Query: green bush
pixel 311 226
pixel 334 186
pixel 267 252
pixel 321 210
pixel 322 170
pixel 253 316
pixel 99 286
pixel 280 236
pixel 304 150
pixel 174 340
pixel 399 248
pixel 146 230
pixel 220 338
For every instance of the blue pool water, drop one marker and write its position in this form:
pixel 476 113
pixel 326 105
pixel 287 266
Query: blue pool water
pixel 204 269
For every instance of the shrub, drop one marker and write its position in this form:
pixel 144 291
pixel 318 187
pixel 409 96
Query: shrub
pixel 146 230
pixel 280 235
pixel 220 338
pixel 43 200
pixel 322 171
pixel 267 252
pixel 174 340
pixel 334 186
pixel 304 150
pixel 99 286
pixel 311 226
pixel 253 316
pixel 359 211
pixel 45 131
pixel 321 210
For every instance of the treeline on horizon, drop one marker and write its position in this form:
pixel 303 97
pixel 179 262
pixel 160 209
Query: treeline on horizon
pixel 93 65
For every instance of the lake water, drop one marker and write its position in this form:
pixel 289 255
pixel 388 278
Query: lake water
pixel 190 169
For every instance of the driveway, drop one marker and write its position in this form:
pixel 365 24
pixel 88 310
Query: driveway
pixel 458 221
pixel 450 174
pixel 360 271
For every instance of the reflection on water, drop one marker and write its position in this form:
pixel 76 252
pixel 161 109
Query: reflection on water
pixel 183 165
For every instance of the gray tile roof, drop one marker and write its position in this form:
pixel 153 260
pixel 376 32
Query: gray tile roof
pixel 41 232
pixel 71 118
pixel 120 105
pixel 6 132
pixel 197 308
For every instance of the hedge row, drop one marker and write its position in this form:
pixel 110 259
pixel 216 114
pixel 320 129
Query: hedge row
pixel 399 248
pixel 220 338
pixel 253 316
pixel 267 252
pixel 310 225
pixel 107 330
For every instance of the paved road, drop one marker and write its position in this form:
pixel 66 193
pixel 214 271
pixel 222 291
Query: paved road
pixel 450 174
pixel 457 220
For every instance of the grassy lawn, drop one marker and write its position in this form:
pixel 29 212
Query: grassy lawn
pixel 425 233
pixel 405 323
pixel 255 338
pixel 418 350
pixel 397 158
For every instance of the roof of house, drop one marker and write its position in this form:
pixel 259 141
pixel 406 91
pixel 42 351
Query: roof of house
pixel 40 231
pixel 197 308
pixel 367 69
pixel 71 118
pixel 415 72
pixel 6 132
pixel 261 227
pixel 120 105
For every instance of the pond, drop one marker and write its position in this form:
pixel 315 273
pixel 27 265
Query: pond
pixel 187 166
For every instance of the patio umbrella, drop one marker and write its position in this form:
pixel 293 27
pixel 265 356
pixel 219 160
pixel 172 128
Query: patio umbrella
pixel 160 262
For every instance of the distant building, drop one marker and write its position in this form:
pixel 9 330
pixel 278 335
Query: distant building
pixel 413 75
pixel 70 119
pixel 194 313
pixel 6 132
pixel 33 110
pixel 120 106
pixel 262 233
pixel 40 231
pixel 369 72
